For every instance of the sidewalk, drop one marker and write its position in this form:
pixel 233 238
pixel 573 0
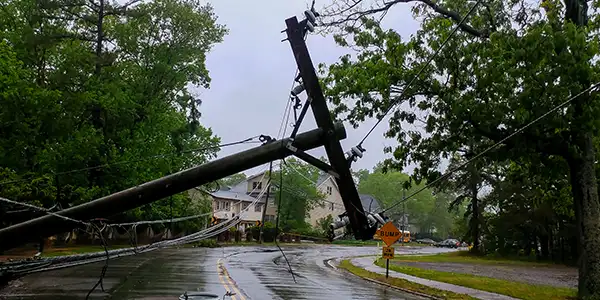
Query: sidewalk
pixel 367 264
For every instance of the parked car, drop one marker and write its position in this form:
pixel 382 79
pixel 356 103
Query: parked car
pixel 426 241
pixel 449 243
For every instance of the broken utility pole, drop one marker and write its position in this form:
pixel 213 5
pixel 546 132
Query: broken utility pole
pixel 149 192
pixel 327 135
pixel 340 165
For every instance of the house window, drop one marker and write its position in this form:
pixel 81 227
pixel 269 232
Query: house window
pixel 332 206
pixel 244 205
pixel 226 205
pixel 329 190
pixel 258 207
pixel 257 185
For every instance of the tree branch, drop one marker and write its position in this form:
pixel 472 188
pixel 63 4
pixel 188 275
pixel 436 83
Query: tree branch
pixel 357 15
pixel 451 15
pixel 546 145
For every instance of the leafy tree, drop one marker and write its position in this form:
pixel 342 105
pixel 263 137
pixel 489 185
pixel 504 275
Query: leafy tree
pixel 323 223
pixel 103 90
pixel 233 179
pixel 504 70
pixel 360 175
pixel 299 193
pixel 424 209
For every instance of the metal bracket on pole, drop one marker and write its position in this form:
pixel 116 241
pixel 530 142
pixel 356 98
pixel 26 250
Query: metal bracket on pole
pixel 301 117
pixel 317 163
pixel 295 35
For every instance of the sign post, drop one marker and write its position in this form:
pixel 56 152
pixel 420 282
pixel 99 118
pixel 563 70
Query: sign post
pixel 389 234
pixel 388 253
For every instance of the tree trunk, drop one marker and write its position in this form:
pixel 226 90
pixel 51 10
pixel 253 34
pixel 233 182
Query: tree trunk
pixel 475 222
pixel 99 37
pixel 587 216
pixel 545 244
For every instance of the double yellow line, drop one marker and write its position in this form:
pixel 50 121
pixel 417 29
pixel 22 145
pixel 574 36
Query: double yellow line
pixel 226 281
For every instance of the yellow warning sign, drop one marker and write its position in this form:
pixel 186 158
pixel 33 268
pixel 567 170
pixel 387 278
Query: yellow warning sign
pixel 389 233
pixel 376 235
pixel 388 252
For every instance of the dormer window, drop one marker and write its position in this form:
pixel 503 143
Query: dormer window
pixel 257 185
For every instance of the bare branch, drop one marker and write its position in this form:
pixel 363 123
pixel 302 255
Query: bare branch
pixel 357 15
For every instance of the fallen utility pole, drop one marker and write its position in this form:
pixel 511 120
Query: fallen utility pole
pixel 149 192
pixel 340 165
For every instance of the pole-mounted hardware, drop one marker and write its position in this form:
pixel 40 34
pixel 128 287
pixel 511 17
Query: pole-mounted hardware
pixel 339 161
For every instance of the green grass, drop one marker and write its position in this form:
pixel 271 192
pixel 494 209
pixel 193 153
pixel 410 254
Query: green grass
pixel 371 243
pixel 468 258
pixel 401 283
pixel 269 244
pixel 510 288
pixel 78 250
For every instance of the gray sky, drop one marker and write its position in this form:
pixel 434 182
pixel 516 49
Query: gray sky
pixel 252 72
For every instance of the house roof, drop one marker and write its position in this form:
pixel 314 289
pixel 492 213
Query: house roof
pixel 241 187
pixel 322 177
pixel 255 175
pixel 230 195
pixel 370 204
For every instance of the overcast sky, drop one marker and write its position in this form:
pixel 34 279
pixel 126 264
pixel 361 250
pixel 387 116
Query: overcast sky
pixel 252 72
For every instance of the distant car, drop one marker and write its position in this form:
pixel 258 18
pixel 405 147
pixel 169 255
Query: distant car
pixel 449 243
pixel 426 241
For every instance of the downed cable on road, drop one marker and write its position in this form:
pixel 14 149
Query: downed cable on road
pixel 277 220
pixel 20 268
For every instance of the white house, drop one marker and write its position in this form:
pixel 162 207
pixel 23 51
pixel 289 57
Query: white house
pixel 229 202
pixel 333 204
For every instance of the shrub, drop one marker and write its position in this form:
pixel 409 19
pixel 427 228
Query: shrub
pixel 269 232
pixel 208 243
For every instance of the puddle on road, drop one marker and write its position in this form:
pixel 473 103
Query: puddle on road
pixel 163 274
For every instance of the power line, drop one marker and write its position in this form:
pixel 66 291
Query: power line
pixel 277 222
pixel 244 141
pixel 55 262
pixel 286 111
pixel 43 210
pixel 429 60
pixel 447 174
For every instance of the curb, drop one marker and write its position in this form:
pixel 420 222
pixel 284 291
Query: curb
pixel 389 285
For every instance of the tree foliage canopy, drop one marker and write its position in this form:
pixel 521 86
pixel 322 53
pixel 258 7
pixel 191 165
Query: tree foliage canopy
pixel 428 212
pixel 297 194
pixel 507 65
pixel 96 98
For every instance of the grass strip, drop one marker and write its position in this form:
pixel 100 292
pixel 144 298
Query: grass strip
pixel 401 283
pixel 499 286
pixel 466 257
pixel 51 252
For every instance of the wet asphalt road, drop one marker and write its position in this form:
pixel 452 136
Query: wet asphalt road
pixel 249 272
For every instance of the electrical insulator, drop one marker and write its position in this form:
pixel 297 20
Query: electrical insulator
pixel 310 16
pixel 358 151
pixel 379 219
pixel 297 90
pixel 310 26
